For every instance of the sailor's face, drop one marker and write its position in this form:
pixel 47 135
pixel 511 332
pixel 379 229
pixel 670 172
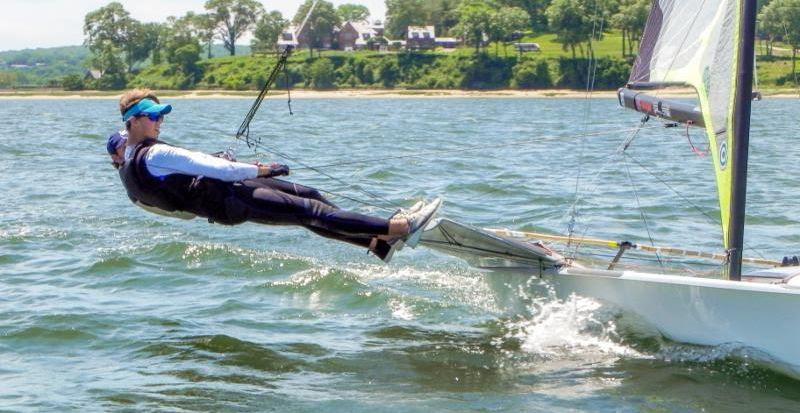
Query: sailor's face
pixel 119 157
pixel 147 126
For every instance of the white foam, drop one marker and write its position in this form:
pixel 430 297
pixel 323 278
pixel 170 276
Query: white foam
pixel 456 286
pixel 401 310
pixel 577 325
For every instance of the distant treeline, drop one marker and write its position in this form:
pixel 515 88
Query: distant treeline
pixel 413 71
pixel 177 53
pixel 119 43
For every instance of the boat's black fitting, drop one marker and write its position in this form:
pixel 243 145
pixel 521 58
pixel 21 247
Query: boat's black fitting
pixel 790 262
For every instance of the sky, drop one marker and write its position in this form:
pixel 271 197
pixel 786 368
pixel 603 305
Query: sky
pixel 26 24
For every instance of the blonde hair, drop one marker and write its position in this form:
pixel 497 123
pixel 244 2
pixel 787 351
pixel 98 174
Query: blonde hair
pixel 132 97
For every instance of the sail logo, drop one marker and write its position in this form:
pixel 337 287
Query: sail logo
pixel 723 155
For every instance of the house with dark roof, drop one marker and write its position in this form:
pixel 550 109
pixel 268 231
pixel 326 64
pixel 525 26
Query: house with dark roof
pixel 359 35
pixel 421 38
pixel 290 37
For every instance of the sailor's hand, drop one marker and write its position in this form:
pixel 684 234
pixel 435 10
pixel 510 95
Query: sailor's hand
pixel 272 170
pixel 279 169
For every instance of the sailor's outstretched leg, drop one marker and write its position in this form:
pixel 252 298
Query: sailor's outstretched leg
pixel 290 188
pixel 380 247
pixel 270 206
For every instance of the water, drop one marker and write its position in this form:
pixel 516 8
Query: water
pixel 103 307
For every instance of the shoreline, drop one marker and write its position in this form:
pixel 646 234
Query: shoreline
pixel 362 94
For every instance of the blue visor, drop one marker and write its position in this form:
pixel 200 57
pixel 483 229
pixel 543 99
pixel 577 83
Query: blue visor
pixel 146 107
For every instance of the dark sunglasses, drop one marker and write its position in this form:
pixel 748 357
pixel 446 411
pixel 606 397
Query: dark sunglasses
pixel 154 117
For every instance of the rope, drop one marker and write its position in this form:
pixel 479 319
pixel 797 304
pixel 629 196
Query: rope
pixel 641 210
pixel 244 128
pixel 695 150
pixel 591 75
pixel 687 200
pixel 423 155
pixel 284 155
pixel 573 212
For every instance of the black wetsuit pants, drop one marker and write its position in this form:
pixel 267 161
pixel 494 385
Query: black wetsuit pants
pixel 277 202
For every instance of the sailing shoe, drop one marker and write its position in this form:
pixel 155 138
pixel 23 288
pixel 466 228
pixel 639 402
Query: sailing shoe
pixel 390 247
pixel 397 244
pixel 419 220
pixel 382 250
pixel 405 212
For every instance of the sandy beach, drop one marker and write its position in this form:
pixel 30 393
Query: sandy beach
pixel 315 94
pixel 361 94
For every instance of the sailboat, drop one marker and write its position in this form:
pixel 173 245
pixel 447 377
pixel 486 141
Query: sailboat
pixel 707 46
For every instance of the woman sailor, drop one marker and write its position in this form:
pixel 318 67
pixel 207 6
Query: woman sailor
pixel 172 179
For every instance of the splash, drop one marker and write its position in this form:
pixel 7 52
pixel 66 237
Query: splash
pixel 732 359
pixel 401 310
pixel 574 326
pixel 450 287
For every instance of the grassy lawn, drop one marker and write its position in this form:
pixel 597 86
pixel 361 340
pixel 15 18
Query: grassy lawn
pixel 609 46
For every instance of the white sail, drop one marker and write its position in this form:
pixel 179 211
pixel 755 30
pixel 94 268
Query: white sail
pixel 696 43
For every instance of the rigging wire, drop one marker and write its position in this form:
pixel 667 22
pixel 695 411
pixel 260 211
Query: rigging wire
pixel 711 218
pixel 422 155
pixel 388 205
pixel 259 145
pixel 591 74
pixel 244 128
pixel 641 210
pixel 243 133
pixel 620 149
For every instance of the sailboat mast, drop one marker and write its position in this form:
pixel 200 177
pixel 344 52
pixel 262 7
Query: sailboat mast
pixel 741 124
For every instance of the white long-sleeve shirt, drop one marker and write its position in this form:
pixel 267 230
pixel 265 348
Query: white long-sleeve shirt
pixel 162 160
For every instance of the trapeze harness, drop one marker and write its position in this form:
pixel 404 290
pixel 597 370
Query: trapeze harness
pixel 262 200
pixel 175 193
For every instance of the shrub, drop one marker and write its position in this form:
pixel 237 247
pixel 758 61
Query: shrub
pixel 531 74
pixel 321 74
pixel 609 73
pixel 111 81
pixel 73 82
pixel 487 72
pixel 388 72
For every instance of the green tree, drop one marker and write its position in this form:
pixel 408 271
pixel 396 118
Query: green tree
pixel 571 22
pixel 233 19
pixel 352 12
pixel 142 40
pixel 205 27
pixel 781 19
pixel 630 19
pixel 403 13
pixel 475 20
pixel 106 25
pixel 112 26
pixel 9 79
pixel 531 74
pixel 72 82
pixel 268 30
pixel 535 9
pixel 107 59
pixel 321 74
pixel 182 49
pixel 443 14
pixel 320 24
pixel 504 22
pixel 154 34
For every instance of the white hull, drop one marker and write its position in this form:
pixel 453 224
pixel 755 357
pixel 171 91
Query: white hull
pixel 758 316
pixel 764 317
